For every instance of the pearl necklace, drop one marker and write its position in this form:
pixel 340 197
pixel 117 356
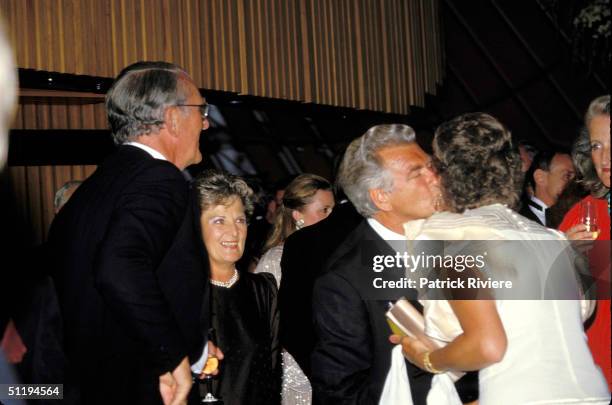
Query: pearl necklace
pixel 228 283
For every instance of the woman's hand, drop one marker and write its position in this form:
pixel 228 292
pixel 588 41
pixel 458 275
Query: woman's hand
pixel 413 349
pixel 579 232
pixel 582 239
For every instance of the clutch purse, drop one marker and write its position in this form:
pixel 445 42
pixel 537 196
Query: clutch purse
pixel 405 320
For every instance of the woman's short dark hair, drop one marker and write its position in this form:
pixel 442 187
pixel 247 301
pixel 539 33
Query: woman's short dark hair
pixel 477 162
pixel 215 187
pixel 581 150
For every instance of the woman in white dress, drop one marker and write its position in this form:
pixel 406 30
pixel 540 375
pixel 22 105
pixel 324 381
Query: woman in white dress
pixel 307 200
pixel 530 350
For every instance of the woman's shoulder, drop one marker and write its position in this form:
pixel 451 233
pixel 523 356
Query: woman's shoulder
pixel 261 281
pixel 270 262
pixel 490 222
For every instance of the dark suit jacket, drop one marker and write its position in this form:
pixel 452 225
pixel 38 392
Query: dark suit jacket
pixel 304 256
pixel 130 270
pixel 352 355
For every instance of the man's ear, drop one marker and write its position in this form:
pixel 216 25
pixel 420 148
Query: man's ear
pixel 539 177
pixel 171 117
pixel 380 198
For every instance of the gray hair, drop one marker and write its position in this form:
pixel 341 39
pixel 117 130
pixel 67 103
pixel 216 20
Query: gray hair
pixel 362 169
pixel 581 150
pixel 8 93
pixel 138 99
pixel 61 195
pixel 215 187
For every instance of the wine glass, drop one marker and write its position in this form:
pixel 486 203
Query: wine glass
pixel 588 217
pixel 211 365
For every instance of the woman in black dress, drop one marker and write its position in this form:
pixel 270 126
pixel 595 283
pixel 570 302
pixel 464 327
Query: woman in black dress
pixel 244 305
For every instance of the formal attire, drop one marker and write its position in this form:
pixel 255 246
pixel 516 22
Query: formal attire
pixel 352 354
pixel 305 253
pixel 296 388
pixel 598 330
pixel 245 318
pixel 547 360
pixel 130 269
pixel 534 209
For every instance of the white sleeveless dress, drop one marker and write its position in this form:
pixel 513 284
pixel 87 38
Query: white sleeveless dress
pixel 296 388
pixel 547 359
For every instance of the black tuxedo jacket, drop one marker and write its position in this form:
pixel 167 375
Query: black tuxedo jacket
pixel 352 355
pixel 131 274
pixel 304 256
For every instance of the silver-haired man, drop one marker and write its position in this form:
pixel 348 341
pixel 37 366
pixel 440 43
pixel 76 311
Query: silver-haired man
pixel 389 179
pixel 129 264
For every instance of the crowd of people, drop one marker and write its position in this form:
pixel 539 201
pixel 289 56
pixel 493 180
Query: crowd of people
pixel 143 264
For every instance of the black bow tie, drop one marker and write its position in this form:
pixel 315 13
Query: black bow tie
pixel 536 205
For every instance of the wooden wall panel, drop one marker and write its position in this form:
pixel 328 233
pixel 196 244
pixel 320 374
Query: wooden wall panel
pixel 369 54
pixel 35 187
pixel 372 54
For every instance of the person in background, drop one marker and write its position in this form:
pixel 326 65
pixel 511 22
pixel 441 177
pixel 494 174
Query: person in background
pixel 63 194
pixel 260 226
pixel 548 175
pixel 243 305
pixel 303 260
pixel 591 154
pixel 527 152
pixel 128 261
pixel 307 200
pixel 572 193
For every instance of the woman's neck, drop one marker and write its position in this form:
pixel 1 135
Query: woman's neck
pixel 222 273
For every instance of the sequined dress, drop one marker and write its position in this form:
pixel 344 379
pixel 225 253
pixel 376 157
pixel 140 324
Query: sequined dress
pixel 296 389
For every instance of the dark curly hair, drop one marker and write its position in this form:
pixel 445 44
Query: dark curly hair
pixel 477 163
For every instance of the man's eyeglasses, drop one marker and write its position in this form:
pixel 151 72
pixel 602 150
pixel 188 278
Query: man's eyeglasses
pixel 203 108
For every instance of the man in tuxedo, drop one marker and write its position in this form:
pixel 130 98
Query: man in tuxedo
pixel 130 265
pixel 389 180
pixel 304 256
pixel 548 175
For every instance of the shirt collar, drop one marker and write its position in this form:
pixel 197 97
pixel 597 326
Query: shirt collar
pixel 539 202
pixel 153 152
pixel 384 232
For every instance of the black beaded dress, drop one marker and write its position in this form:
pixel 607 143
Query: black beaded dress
pixel 245 317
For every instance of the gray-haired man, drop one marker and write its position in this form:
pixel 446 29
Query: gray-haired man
pixel 129 264
pixel 388 178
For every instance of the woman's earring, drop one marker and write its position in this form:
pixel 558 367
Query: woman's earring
pixel 299 224
pixel 438 203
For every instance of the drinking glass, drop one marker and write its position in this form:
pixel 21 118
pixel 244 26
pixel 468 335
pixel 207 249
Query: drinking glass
pixel 588 217
pixel 212 363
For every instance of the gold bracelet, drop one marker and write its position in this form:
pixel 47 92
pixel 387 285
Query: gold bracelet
pixel 427 363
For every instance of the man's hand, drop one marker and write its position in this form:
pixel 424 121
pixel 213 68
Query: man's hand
pixel 167 388
pixel 174 387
